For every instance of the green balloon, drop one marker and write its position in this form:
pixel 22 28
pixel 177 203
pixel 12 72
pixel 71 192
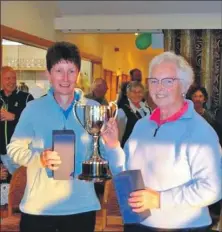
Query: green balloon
pixel 143 41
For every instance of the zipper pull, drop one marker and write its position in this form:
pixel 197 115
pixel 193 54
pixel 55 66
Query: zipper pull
pixel 155 132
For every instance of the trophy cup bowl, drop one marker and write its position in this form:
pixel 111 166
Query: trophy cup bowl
pixel 96 169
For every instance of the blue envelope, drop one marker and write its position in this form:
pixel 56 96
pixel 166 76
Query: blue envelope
pixel 125 183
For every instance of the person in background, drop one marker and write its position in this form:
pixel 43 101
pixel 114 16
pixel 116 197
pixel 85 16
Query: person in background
pixel 23 87
pixel 98 91
pixel 177 151
pixel 218 124
pixel 51 205
pixel 12 103
pixel 215 209
pixel 130 113
pixel 199 96
pixel 148 100
pixel 135 75
pixel 188 95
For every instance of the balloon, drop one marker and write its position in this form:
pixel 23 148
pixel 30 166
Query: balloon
pixel 143 41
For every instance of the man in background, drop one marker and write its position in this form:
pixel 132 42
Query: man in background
pixel 135 75
pixel 98 91
pixel 23 87
pixel 12 103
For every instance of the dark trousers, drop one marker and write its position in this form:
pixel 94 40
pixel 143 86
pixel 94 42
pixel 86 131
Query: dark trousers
pixel 142 228
pixel 99 188
pixel 84 222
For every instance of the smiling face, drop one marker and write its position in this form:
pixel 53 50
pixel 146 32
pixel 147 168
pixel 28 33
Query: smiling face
pixel 198 99
pixel 135 95
pixel 164 85
pixel 63 77
pixel 9 81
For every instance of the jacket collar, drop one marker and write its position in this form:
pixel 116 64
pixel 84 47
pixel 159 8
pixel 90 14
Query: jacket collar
pixel 186 111
pixel 135 109
pixel 14 92
pixel 77 93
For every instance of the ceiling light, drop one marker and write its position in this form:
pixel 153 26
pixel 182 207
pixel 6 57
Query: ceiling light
pixel 9 42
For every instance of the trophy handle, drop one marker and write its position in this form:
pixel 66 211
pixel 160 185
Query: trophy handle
pixel 78 94
pixel 116 111
pixel 76 115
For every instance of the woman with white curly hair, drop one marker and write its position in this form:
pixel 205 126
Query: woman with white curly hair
pixel 177 152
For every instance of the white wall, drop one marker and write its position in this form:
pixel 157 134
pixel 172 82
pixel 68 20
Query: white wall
pixel 23 52
pixel 33 17
pixel 132 15
pixel 22 56
pixel 136 7
pixel 127 23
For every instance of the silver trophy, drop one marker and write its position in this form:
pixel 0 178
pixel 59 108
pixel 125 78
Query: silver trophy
pixel 96 169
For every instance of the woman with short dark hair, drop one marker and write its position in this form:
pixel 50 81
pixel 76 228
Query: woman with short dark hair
pixel 50 204
pixel 199 96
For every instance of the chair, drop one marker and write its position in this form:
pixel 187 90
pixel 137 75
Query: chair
pixel 16 192
pixel 3 211
pixel 220 220
pixel 111 217
pixel 217 221
pixel 219 226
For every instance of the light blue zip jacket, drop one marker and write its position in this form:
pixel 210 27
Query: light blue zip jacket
pixel 33 134
pixel 183 163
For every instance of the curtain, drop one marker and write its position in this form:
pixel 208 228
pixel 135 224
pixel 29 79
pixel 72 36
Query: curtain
pixel 203 50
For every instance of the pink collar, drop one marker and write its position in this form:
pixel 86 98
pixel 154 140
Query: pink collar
pixel 155 116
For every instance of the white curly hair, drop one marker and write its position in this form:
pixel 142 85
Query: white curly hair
pixel 185 71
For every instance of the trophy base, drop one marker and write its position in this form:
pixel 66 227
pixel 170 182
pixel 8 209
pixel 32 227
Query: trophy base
pixel 97 171
pixel 94 179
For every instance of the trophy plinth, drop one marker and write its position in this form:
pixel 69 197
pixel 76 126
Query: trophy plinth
pixel 96 169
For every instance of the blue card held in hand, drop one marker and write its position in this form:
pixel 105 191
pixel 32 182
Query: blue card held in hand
pixel 64 144
pixel 125 183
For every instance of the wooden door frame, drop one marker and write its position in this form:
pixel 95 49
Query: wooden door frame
pixel 32 40
pixel 22 37
pixel 108 94
pixel 35 41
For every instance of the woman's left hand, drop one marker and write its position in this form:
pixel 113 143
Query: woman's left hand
pixel 110 134
pixel 144 199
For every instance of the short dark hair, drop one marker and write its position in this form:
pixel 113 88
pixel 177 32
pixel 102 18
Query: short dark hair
pixel 63 51
pixel 133 70
pixel 201 89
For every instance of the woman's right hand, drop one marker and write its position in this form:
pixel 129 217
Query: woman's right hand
pixel 50 159
pixel 110 134
pixel 3 172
